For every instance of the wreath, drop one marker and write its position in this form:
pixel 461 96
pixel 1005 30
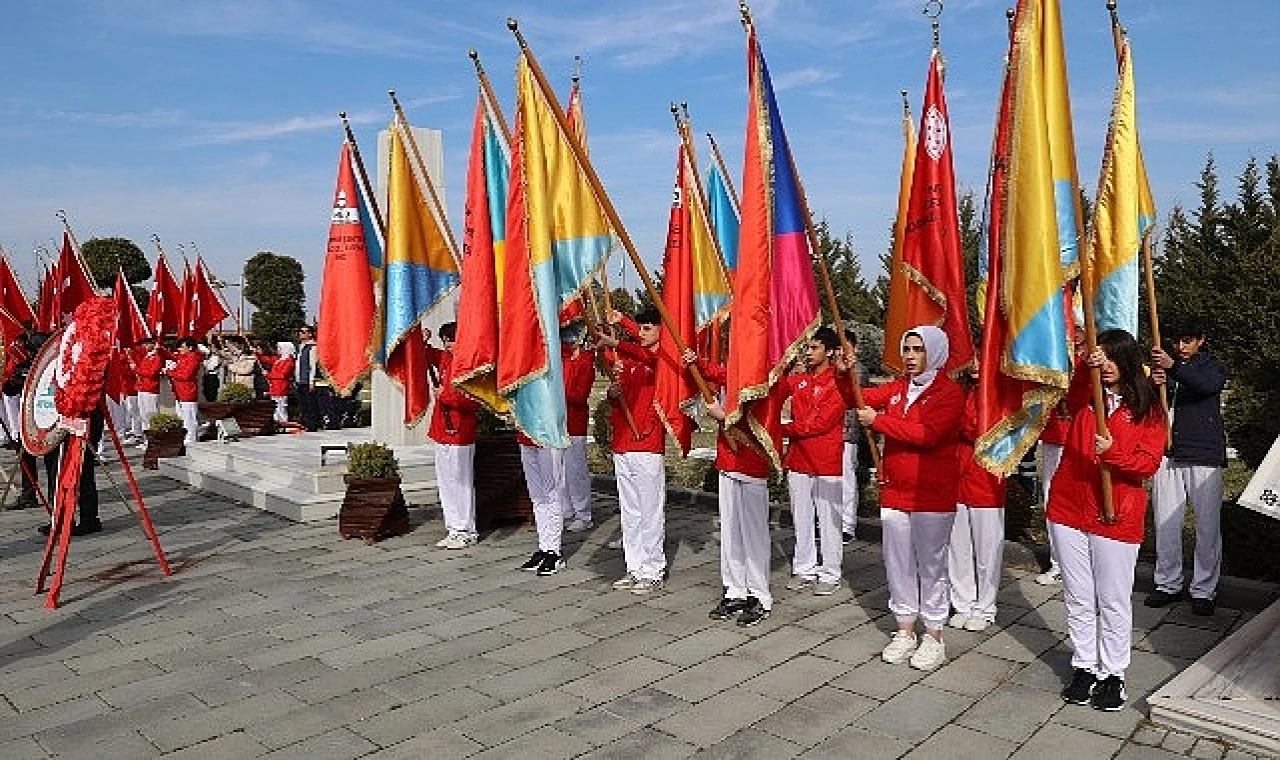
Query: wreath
pixel 85 351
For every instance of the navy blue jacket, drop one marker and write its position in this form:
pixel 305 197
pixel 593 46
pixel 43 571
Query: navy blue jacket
pixel 1195 388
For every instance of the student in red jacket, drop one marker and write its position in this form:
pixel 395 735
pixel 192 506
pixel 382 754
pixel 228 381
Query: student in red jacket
pixel 637 453
pixel 976 552
pixel 815 467
pixel 148 361
pixel 919 416
pixel 453 429
pixel 1097 558
pixel 579 375
pixel 184 374
pixel 279 376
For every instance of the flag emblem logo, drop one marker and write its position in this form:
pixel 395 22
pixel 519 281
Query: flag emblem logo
pixel 935 133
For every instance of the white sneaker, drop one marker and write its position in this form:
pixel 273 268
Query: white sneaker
pixel 460 541
pixel 615 544
pixel 1050 577
pixel 625 582
pixel 930 654
pixel 958 620
pixel 646 585
pixel 577 526
pixel 900 648
pixel 444 541
pixel 977 624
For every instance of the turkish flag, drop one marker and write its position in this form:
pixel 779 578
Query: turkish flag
pixel 203 310
pixel 74 285
pixel 164 306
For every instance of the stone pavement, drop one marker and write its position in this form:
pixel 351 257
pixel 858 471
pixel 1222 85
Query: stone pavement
pixel 282 640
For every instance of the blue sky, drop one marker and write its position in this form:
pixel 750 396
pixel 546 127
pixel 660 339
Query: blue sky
pixel 215 121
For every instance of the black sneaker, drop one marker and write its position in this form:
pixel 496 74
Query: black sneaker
pixel 1203 607
pixel 754 614
pixel 1109 694
pixel 1160 598
pixel 1080 689
pixel 728 608
pixel 551 563
pixel 534 562
pixel 846 538
pixel 86 527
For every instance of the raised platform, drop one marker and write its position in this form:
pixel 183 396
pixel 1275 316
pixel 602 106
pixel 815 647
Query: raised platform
pixel 283 474
pixel 1233 692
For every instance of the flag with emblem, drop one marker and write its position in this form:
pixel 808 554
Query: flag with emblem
pixel 12 299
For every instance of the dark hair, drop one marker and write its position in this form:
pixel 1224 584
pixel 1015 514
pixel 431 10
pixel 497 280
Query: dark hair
pixel 188 342
pixel 827 337
pixel 449 331
pixel 1136 389
pixel 851 335
pixel 1190 326
pixel 648 317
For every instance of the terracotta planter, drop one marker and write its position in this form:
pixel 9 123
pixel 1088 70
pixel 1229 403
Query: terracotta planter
pixel 501 493
pixel 373 509
pixel 255 417
pixel 163 444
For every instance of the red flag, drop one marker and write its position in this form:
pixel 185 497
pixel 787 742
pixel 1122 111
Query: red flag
pixel 165 304
pixel 10 327
pixel 74 285
pixel 674 388
pixel 47 304
pixel 931 251
pixel 12 299
pixel 204 308
pixel 132 327
pixel 346 293
pixel 407 365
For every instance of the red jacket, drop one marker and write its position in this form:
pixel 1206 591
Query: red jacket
pixel 635 373
pixel 579 376
pixel 816 429
pixel 453 420
pixel 149 367
pixel 185 377
pixel 742 455
pixel 279 373
pixel 921 465
pixel 978 487
pixel 1136 450
pixel 1058 426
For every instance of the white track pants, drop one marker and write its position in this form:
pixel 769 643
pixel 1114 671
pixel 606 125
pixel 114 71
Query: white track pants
pixel 642 499
pixel 744 537
pixel 148 407
pixel 1050 458
pixel 820 497
pixel 915 562
pixel 577 480
pixel 1176 484
pixel 849 514
pixel 544 475
pixel 974 559
pixel 1097 587
pixel 133 417
pixel 282 408
pixel 187 410
pixel 12 412
pixel 455 481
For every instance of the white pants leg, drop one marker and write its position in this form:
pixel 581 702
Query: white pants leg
pixel 804 562
pixel 12 412
pixel 744 537
pixel 849 512
pixel 544 475
pixel 187 411
pixel 578 480
pixel 148 406
pixel 282 408
pixel 974 560
pixel 1050 458
pixel 915 559
pixel 455 482
pixel 820 497
pixel 1173 486
pixel 1097 588
pixel 642 497
pixel 133 419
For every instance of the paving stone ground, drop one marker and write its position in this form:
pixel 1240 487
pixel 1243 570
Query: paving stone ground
pixel 281 640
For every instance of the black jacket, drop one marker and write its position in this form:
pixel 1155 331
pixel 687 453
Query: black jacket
pixel 1195 388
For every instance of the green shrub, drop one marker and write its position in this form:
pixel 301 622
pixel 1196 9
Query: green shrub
pixel 601 432
pixel 165 422
pixel 235 393
pixel 372 460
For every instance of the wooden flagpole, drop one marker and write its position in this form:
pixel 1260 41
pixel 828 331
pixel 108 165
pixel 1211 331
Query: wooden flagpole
pixel 606 205
pixel 436 205
pixel 724 173
pixel 489 97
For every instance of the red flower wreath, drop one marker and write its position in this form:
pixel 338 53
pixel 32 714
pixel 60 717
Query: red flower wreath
pixel 86 349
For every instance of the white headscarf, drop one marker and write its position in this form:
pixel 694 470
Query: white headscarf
pixel 285 349
pixel 936 350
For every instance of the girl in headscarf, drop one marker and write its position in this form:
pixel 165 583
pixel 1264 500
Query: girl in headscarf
pixel 279 375
pixel 1097 557
pixel 919 416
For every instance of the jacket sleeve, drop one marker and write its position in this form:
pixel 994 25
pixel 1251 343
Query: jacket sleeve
pixel 942 420
pixel 637 354
pixel 1138 448
pixel 713 372
pixel 580 375
pixel 1203 378
pixel 877 397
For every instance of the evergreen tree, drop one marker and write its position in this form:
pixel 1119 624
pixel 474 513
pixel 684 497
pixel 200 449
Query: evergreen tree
pixel 853 298
pixel 106 256
pixel 273 284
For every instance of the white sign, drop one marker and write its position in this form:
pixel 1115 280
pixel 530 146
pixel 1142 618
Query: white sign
pixel 1263 492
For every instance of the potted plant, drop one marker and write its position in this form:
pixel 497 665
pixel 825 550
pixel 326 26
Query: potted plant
pixel 165 435
pixel 373 507
pixel 235 393
pixel 255 416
